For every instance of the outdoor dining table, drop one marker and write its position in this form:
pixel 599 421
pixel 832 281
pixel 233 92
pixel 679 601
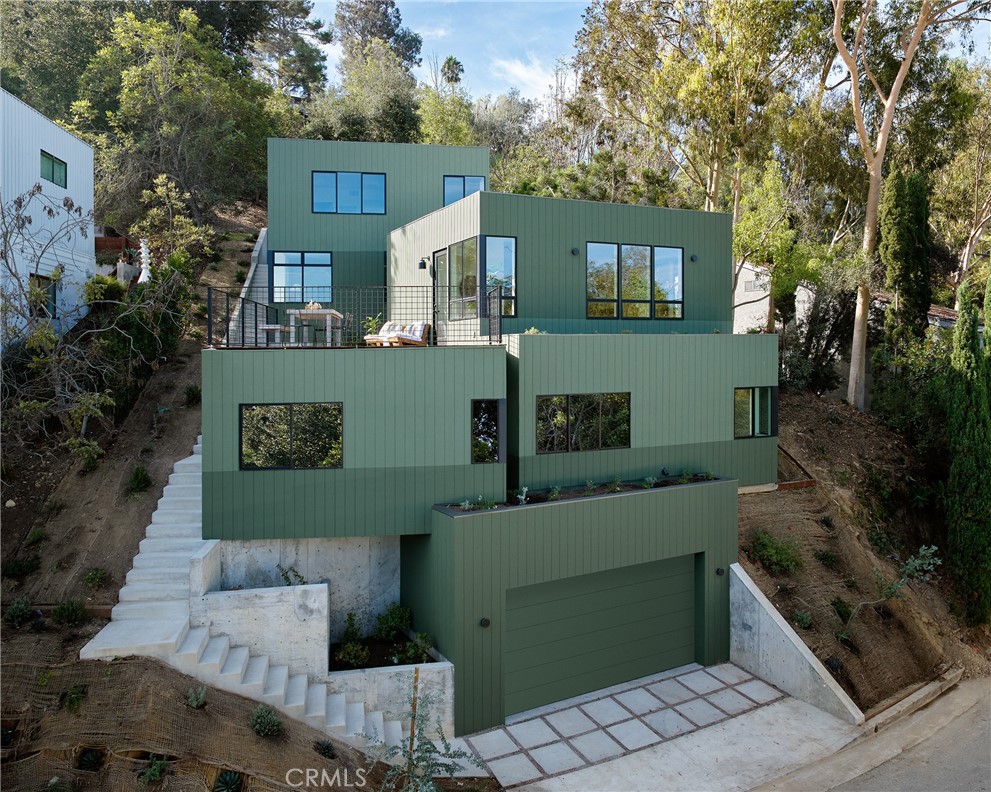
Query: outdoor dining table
pixel 331 317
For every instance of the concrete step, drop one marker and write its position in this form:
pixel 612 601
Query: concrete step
pixel 189 652
pixel 213 657
pixel 393 733
pixel 181 502
pixel 295 701
pixel 158 558
pixel 174 530
pixel 191 464
pixel 173 609
pixel 172 544
pixel 159 574
pixel 354 719
pixel 186 479
pixel 375 728
pixel 154 592
pixel 198 449
pixel 316 705
pixel 253 682
pixel 336 712
pixel 232 671
pixel 183 490
pixel 166 514
pixel 276 680
pixel 158 638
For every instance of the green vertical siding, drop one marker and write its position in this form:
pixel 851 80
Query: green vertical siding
pixel 407 415
pixel 491 552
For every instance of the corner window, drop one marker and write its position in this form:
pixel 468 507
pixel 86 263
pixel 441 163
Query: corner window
pixel 633 282
pixel 291 436
pixel 340 192
pixel 462 262
pixel 457 187
pixel 301 277
pixel 42 296
pixel 583 422
pixel 752 412
pixel 486 431
pixel 53 169
pixel 500 271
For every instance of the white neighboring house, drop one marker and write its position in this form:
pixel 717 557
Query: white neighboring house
pixel 36 150
pixel 751 297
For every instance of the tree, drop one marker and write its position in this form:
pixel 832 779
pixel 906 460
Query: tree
pixel 286 53
pixel 359 23
pixel 167 225
pixel 446 118
pixel 908 26
pixel 452 70
pixel 903 220
pixel 968 501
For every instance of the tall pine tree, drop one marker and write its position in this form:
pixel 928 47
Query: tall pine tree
pixel 969 487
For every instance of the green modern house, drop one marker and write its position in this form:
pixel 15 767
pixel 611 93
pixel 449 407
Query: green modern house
pixel 571 361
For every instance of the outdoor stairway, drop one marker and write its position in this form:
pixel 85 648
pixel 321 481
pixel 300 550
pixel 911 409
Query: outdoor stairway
pixel 151 619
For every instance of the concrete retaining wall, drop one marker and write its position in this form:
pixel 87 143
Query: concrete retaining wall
pixel 288 623
pixel 762 642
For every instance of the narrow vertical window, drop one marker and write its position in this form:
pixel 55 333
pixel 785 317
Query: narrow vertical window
pixel 485 430
pixel 601 280
pixel 669 273
pixel 635 279
pixel 500 271
pixel 753 412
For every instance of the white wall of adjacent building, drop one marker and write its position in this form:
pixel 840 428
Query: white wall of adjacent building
pixel 24 134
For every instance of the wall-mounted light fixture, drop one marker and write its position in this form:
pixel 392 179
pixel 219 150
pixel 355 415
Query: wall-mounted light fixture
pixel 483 622
pixel 694 257
pixel 422 264
pixel 575 251
pixel 720 571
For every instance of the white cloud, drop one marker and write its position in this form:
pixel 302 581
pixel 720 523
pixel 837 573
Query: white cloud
pixel 439 32
pixel 534 78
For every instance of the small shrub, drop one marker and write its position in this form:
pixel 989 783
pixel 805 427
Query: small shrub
pixel 616 485
pixel 200 311
pixel 827 558
pixel 709 475
pixel 35 537
pixel 353 654
pixel 325 748
pixel 54 505
pixel 228 781
pixel 554 494
pixel 194 395
pixel 778 556
pixel 685 477
pixel 265 721
pixel 95 578
pixel 70 613
pixel 197 333
pixel 466 505
pixel 86 451
pixel 155 771
pixel 213 265
pixel 196 698
pixel 139 481
pixel 416 651
pixel 103 289
pixel 396 620
pixel 351 631
pixel 18 613
pixel 650 482
pixel 521 495
pixel 827 521
pixel 73 698
pixel 803 619
pixel 20 568
pixel 240 276
pixel 90 760
pixel 842 608
pixel 589 489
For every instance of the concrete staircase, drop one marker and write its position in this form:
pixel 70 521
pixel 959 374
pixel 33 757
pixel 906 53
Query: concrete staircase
pixel 151 619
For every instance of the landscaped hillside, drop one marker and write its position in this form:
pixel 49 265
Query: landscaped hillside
pixel 866 517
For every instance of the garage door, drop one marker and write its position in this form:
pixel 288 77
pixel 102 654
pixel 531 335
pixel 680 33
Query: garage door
pixel 583 633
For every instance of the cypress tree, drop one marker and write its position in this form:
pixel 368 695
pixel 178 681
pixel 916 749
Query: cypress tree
pixel 969 487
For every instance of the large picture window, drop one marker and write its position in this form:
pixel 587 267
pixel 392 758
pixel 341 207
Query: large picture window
pixel 500 271
pixel 583 422
pixel 53 169
pixel 634 281
pixel 457 187
pixel 301 277
pixel 341 192
pixel 291 436
pixel 752 412
pixel 462 262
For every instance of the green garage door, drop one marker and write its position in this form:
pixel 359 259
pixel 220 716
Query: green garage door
pixel 583 633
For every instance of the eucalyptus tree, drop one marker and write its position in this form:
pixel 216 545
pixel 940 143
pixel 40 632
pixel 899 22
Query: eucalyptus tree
pixel 360 22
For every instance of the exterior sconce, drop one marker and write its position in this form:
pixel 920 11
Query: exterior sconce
pixel 422 264
pixel 574 251
pixel 484 622
pixel 720 571
pixel 694 257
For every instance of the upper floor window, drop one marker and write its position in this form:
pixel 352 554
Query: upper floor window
pixel 752 412
pixel 340 192
pixel 301 277
pixel 583 422
pixel 53 169
pixel 500 271
pixel 292 436
pixel 634 281
pixel 462 262
pixel 457 187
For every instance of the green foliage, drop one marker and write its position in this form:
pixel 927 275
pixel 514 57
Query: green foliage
pixel 827 558
pixel 139 480
pixel 155 771
pixel 415 651
pixel 240 276
pixel 841 608
pixel 361 23
pixel 90 760
pixel 193 395
pixel 18 613
pixel 325 748
pixel 95 578
pixel 554 494
pixel 290 576
pixel 20 568
pixel 71 613
pixel 101 289
pixel 446 117
pixel 88 452
pixel 196 698
pixel 73 698
pixel 228 781
pixel 54 506
pixel 265 721
pixel 354 654
pixel 803 619
pixel 393 623
pixel 778 556
pixel 351 632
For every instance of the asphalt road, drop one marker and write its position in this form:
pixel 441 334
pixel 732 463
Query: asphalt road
pixel 957 758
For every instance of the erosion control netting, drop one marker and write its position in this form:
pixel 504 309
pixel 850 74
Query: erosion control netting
pixel 112 716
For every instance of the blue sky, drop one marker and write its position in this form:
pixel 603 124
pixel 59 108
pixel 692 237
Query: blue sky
pixel 513 43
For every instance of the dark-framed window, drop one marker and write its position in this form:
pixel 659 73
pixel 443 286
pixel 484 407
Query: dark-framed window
pixel 457 187
pixel 53 169
pixel 462 266
pixel 347 192
pixel 583 422
pixel 292 436
pixel 753 412
pixel 488 422
pixel 301 277
pixel 499 262
pixel 633 281
pixel 43 296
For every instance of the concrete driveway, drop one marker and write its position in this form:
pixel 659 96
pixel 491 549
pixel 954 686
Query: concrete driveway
pixel 685 729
